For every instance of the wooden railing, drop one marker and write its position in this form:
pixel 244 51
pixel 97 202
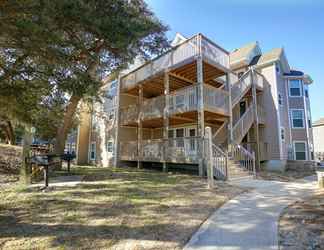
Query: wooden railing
pixel 261 114
pixel 153 108
pixel 129 114
pixel 244 157
pixel 183 150
pixel 259 80
pixel 216 159
pixel 243 125
pixel 178 54
pixel 183 100
pixel 216 99
pixel 220 135
pixel 128 150
pixel 152 150
pixel 240 88
pixel 177 150
pixel 214 53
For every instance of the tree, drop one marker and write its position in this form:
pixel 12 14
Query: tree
pixel 79 42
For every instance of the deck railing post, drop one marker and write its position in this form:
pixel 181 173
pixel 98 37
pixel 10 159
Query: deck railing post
pixel 209 155
pixel 166 118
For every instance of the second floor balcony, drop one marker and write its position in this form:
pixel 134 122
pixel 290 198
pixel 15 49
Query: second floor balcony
pixel 182 101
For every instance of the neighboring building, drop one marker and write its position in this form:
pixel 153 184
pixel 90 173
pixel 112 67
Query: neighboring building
pixel 252 101
pixel 318 133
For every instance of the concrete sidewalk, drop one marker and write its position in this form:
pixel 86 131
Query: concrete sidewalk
pixel 250 221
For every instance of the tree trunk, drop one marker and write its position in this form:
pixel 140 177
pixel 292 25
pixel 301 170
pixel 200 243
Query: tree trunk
pixel 10 133
pixel 63 130
pixel 25 171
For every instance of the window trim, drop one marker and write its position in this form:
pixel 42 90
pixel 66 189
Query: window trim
pixel 300 88
pixel 280 99
pixel 306 151
pixel 112 146
pixel 282 129
pixel 292 120
pixel 95 151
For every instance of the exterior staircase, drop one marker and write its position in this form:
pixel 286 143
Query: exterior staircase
pixel 236 171
pixel 241 162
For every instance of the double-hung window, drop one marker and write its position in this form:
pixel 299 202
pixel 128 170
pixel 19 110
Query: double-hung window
pixel 93 151
pixel 280 101
pixel 295 89
pixel 297 118
pixel 109 146
pixel 300 150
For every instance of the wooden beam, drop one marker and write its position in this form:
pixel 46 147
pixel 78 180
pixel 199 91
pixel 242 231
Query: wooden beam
pixel 256 121
pixel 140 128
pixel 166 118
pixel 201 113
pixel 181 78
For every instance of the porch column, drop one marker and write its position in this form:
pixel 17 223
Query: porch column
pixel 230 110
pixel 166 119
pixel 200 108
pixel 116 144
pixel 256 121
pixel 140 127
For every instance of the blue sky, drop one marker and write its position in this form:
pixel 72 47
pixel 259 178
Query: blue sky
pixel 296 25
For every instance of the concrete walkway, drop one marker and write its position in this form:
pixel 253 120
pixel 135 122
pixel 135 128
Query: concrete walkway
pixel 250 221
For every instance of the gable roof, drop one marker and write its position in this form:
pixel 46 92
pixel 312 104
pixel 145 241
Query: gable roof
pixel 243 56
pixel 319 122
pixel 274 55
pixel 179 38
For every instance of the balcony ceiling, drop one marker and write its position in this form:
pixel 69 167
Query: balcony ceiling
pixel 179 77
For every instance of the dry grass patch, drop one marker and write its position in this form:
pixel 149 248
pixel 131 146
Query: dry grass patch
pixel 302 225
pixel 111 209
pixel 286 176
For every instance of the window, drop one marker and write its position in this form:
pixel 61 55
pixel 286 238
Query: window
pixel 110 146
pixel 282 134
pixel 280 101
pixel 295 88
pixel 179 136
pixel 277 68
pixel 192 133
pixel 300 150
pixel 93 151
pixel 297 117
pixel 306 93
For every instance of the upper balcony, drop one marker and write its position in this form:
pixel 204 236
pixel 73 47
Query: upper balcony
pixel 214 58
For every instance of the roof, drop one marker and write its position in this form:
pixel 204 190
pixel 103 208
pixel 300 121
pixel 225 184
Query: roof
pixel 270 56
pixel 294 73
pixel 319 122
pixel 242 53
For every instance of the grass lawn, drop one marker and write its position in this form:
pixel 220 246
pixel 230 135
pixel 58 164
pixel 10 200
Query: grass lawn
pixel 112 209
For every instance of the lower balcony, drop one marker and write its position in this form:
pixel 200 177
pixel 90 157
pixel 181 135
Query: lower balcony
pixel 173 150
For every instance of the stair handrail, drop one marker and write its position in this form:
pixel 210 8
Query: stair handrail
pixel 240 81
pixel 244 157
pixel 217 160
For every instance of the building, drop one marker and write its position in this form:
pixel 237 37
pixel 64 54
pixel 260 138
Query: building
pixel 256 106
pixel 318 133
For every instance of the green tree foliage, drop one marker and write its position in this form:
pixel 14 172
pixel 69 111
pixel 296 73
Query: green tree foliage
pixel 69 46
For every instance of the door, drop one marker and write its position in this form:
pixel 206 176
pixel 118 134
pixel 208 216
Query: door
pixel 192 140
pixel 242 107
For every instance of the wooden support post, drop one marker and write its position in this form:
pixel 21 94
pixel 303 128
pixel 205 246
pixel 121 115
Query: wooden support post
pixel 209 154
pixel 200 102
pixel 140 127
pixel 116 150
pixel 166 119
pixel 256 121
pixel 230 119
